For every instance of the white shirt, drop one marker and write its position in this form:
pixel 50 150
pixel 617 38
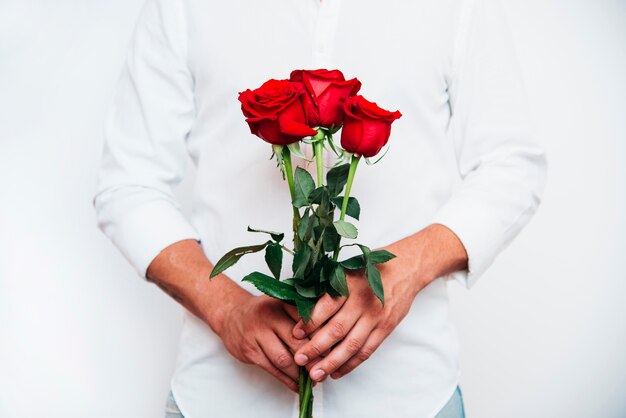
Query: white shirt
pixel 461 155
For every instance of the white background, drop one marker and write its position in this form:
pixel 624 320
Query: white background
pixel 543 333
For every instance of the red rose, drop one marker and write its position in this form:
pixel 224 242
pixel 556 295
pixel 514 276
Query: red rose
pixel 275 112
pixel 327 90
pixel 367 127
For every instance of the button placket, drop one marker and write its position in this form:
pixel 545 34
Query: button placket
pixel 325 28
pixel 323 43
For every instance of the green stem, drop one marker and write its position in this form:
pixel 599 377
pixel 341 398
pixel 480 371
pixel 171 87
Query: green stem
pixel 292 191
pixel 305 383
pixel 351 172
pixel 354 162
pixel 301 382
pixel 318 150
pixel 306 409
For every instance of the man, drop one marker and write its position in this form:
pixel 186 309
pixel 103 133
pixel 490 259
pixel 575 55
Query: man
pixel 460 181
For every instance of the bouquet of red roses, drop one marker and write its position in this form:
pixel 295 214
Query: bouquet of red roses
pixel 310 107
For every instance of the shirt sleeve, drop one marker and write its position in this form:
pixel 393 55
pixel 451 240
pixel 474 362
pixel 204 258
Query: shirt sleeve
pixel 145 153
pixel 503 171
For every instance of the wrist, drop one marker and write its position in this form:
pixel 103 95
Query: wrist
pixel 429 254
pixel 182 271
pixel 222 295
pixel 440 252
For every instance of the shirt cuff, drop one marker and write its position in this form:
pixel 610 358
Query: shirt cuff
pixel 149 228
pixel 466 222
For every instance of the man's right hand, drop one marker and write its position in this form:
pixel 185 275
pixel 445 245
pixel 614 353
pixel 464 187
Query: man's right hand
pixel 255 329
pixel 258 331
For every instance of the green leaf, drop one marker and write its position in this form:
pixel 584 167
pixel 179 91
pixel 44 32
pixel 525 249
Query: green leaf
pixel 305 308
pixel 315 197
pixel 365 250
pixel 328 266
pixel 304 224
pixel 324 210
pixel 312 224
pixel 301 261
pixel 274 259
pixel 337 178
pixel 314 275
pixel 354 263
pixel 276 236
pixel 331 291
pixel 318 232
pixel 234 255
pixel 379 257
pixel 307 291
pixel 346 229
pixel 325 204
pixel 338 281
pixel 330 237
pixel 353 209
pixel 303 186
pixel 373 278
pixel 272 287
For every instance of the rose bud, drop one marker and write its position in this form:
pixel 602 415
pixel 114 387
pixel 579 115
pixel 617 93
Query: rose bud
pixel 367 127
pixel 275 112
pixel 327 90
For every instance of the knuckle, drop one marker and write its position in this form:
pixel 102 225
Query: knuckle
pixel 387 325
pixel 328 305
pixel 295 344
pixel 348 366
pixel 315 349
pixel 337 329
pixel 283 360
pixel 353 345
pixel 310 325
pixel 270 310
pixel 366 295
pixel 364 353
pixel 345 369
pixel 248 349
pixel 331 365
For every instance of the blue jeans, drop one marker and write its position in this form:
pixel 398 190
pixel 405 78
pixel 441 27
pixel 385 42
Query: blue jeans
pixel 453 409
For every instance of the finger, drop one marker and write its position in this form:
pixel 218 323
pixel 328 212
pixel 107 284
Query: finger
pixel 263 362
pixel 325 307
pixel 292 311
pixel 282 326
pixel 278 355
pixel 330 334
pixel 372 343
pixel 344 351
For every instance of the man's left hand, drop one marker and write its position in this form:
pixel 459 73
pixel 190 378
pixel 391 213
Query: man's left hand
pixel 345 331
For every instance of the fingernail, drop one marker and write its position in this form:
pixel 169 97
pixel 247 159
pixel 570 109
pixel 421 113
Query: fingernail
pixel 299 333
pixel 301 359
pixel 317 374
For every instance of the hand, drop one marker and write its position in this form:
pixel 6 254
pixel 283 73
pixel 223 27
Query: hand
pixel 357 326
pixel 255 330
pixel 353 328
pixel 258 331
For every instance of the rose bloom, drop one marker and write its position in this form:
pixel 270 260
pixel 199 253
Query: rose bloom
pixel 327 90
pixel 275 112
pixel 367 127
